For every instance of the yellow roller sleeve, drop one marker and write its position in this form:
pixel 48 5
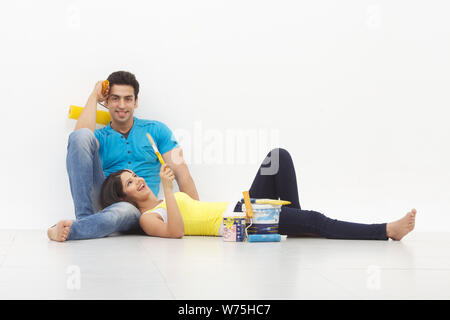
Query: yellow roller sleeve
pixel 103 117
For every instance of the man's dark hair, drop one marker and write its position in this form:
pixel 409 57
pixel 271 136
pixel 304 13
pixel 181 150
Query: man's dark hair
pixel 112 190
pixel 124 77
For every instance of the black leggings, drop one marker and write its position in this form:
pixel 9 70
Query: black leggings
pixel 276 179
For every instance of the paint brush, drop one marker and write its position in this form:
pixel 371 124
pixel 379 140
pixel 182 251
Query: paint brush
pixel 155 148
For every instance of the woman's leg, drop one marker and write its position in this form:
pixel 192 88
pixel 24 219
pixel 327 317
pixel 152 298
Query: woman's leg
pixel 275 179
pixel 295 222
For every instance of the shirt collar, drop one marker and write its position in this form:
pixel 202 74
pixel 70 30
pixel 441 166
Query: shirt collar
pixel 109 128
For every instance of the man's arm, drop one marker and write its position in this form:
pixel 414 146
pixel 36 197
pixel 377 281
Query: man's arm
pixel 174 159
pixel 88 116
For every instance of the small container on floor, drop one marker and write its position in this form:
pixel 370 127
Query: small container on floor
pixel 234 226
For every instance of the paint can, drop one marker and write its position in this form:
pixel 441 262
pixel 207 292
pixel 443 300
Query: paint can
pixel 234 226
pixel 265 218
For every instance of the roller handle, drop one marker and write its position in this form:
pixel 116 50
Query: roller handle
pixel 268 201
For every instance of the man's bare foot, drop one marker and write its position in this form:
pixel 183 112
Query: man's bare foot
pixel 398 229
pixel 60 231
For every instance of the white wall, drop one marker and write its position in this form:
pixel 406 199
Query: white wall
pixel 357 91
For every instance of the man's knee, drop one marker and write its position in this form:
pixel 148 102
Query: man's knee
pixel 125 209
pixel 83 138
pixel 120 217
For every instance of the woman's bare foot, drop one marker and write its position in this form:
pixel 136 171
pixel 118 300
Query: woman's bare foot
pixel 60 231
pixel 398 229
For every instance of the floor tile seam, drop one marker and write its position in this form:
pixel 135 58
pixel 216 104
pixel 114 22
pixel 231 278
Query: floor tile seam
pixel 161 274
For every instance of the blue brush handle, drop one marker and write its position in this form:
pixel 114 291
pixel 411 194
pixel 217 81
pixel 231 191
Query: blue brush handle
pixel 264 238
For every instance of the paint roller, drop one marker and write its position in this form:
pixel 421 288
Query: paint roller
pixel 267 201
pixel 103 117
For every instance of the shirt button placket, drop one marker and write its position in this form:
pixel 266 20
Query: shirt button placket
pixel 129 162
pixel 129 153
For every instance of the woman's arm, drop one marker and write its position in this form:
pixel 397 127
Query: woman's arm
pixel 152 224
pixel 174 158
pixel 175 224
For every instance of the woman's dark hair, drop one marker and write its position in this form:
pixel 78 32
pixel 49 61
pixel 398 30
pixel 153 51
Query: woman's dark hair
pixel 112 190
pixel 124 77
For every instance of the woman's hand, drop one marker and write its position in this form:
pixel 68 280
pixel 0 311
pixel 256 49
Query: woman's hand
pixel 98 92
pixel 155 226
pixel 167 177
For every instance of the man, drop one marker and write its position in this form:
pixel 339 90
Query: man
pixel 94 154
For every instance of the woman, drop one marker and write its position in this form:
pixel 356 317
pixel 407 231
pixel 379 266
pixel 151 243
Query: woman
pixel 180 215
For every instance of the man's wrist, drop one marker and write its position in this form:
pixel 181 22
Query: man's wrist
pixel 93 96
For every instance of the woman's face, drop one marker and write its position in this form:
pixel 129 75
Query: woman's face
pixel 135 187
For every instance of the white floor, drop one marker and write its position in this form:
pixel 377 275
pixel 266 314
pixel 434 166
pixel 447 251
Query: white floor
pixel 140 267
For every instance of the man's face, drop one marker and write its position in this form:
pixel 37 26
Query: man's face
pixel 121 103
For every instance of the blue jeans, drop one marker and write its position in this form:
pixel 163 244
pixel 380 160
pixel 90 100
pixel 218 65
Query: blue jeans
pixel 86 178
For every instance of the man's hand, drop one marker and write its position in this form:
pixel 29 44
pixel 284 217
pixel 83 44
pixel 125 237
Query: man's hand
pixel 167 177
pixel 97 92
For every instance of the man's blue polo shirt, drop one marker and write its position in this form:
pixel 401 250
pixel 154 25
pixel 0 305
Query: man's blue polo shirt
pixel 135 153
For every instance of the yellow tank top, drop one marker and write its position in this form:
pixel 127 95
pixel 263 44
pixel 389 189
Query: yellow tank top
pixel 200 218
